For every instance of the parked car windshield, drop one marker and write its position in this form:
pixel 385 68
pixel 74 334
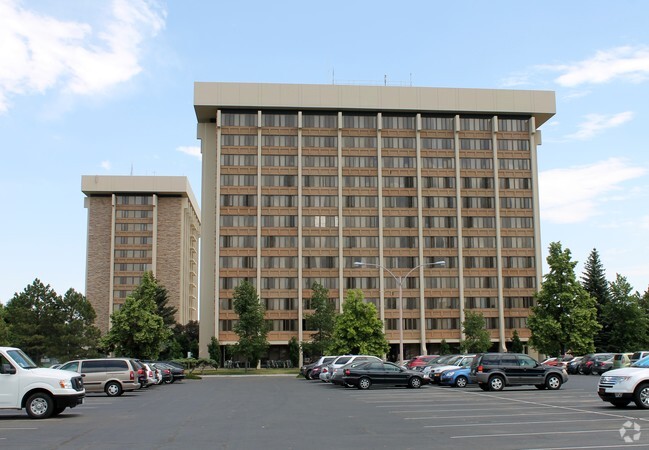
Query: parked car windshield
pixel 644 362
pixel 21 359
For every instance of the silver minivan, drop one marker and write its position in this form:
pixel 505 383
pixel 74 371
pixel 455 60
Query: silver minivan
pixel 110 375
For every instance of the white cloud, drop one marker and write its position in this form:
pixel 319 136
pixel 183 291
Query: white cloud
pixel 106 165
pixel 41 53
pixel 596 123
pixel 575 194
pixel 630 63
pixel 190 150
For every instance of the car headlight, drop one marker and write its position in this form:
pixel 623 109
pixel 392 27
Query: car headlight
pixel 65 384
pixel 614 380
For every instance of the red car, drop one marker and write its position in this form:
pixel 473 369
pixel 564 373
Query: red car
pixel 420 361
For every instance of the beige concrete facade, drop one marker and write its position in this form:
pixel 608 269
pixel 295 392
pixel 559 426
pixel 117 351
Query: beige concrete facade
pixel 138 224
pixel 302 181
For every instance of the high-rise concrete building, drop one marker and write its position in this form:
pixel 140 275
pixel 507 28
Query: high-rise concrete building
pixel 301 183
pixel 138 224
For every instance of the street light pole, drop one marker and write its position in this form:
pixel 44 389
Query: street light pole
pixel 400 281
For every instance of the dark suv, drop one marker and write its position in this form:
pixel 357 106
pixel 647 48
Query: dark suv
pixel 494 371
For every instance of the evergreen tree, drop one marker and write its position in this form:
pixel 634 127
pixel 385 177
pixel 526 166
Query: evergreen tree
pixel 137 330
pixel 629 323
pixel 251 326
pixel 594 281
pixel 322 321
pixel 565 315
pixel 294 351
pixel 75 335
pixel 476 337
pixel 517 344
pixel 4 329
pixel 358 329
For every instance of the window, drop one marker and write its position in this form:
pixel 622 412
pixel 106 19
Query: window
pixel 359 121
pixel 277 241
pixel 443 324
pixel 351 201
pixel 514 144
pixel 319 181
pixel 239 140
pixel 517 222
pixel 475 124
pixel 442 303
pixel 361 283
pixel 438 163
pixel 400 162
pixel 478 222
pixel 238 180
pixel 279 262
pixel 279 221
pixel 319 120
pixel 238 221
pixel 518 242
pixel 320 161
pixel 439 221
pixel 437 144
pixel 359 142
pixel 515 183
pixel 400 262
pixel 320 262
pixel 440 241
pixel 320 221
pixel 400 242
pixel 279 283
pixel 329 283
pixel 481 302
pixel 279 180
pixel 516 125
pixel 280 160
pixel 390 142
pixel 320 201
pixel 441 282
pixel 134 200
pixel 238 241
pixel 279 141
pixel 237 262
pixel 480 262
pixel 519 302
pixel 320 141
pixel 436 123
pixel 438 182
pixel 360 161
pixel 480 282
pixel 400 222
pixel 518 262
pixel 520 282
pixel 478 202
pixel 399 182
pixel 477 183
pixel 239 120
pixel 398 122
pixel 400 202
pixel 361 242
pixel 281 304
pixel 360 182
pixel 279 201
pixel 516 202
pixel 514 164
pixel 239 160
pixel 238 200
pixel 279 120
pixel 476 163
pixel 361 221
pixel 475 144
pixel 439 202
pixel 227 325
pixel 479 242
pixel 320 241
pixel 226 304
pixel 233 282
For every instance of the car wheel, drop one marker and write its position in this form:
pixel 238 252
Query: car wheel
pixel 113 389
pixel 553 382
pixel 40 406
pixel 483 386
pixel 620 403
pixel 172 380
pixel 496 383
pixel 581 371
pixel 461 381
pixel 307 375
pixel 414 383
pixel 641 396
pixel 364 383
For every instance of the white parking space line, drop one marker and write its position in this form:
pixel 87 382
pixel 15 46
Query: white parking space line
pixel 17 428
pixel 589 447
pixel 473 436
pixel 470 409
pixel 444 417
pixel 489 424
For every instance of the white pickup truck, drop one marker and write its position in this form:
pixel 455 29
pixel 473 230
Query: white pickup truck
pixel 42 392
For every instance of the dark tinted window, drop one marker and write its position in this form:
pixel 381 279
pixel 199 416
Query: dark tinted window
pixel 373 366
pixel 93 366
pixel 343 360
pixel 508 360
pixel 115 365
pixel 490 359
pixel 526 361
pixel 391 368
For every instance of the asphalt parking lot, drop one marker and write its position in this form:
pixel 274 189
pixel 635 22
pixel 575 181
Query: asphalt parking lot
pixel 292 413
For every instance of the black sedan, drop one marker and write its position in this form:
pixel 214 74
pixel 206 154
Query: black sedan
pixel 364 375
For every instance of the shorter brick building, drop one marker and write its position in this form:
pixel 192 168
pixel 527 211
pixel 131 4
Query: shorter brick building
pixel 138 224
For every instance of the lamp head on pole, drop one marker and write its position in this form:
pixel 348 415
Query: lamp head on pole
pixel 358 263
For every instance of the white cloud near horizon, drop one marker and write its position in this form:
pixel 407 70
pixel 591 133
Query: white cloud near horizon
pixel 191 151
pixel 106 165
pixel 575 194
pixel 40 53
pixel 627 62
pixel 596 123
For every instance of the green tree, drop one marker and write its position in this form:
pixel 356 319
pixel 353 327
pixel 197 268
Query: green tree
pixel 476 337
pixel 444 348
pixel 185 339
pixel 322 321
pixel 629 324
pixel 214 350
pixel 594 281
pixel 251 326
pixel 294 351
pixel 4 329
pixel 565 315
pixel 517 344
pixel 161 297
pixel 358 329
pixel 137 330
pixel 75 335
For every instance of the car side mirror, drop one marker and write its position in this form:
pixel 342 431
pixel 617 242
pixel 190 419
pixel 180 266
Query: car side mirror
pixel 8 369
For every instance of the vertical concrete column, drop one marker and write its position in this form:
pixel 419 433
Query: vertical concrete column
pixel 154 246
pixel 379 172
pixel 458 201
pixel 499 244
pixel 420 239
pixel 535 139
pixel 111 283
pixel 300 282
pixel 259 183
pixel 210 136
pixel 341 290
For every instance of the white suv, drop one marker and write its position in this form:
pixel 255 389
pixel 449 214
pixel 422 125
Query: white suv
pixel 621 386
pixel 42 392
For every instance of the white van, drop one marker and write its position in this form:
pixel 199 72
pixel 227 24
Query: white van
pixel 42 392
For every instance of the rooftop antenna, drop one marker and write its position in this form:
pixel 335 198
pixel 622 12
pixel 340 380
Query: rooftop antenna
pixel 131 169
pixel 385 80
pixel 333 76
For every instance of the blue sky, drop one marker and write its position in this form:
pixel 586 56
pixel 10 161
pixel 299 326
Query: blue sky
pixel 106 87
